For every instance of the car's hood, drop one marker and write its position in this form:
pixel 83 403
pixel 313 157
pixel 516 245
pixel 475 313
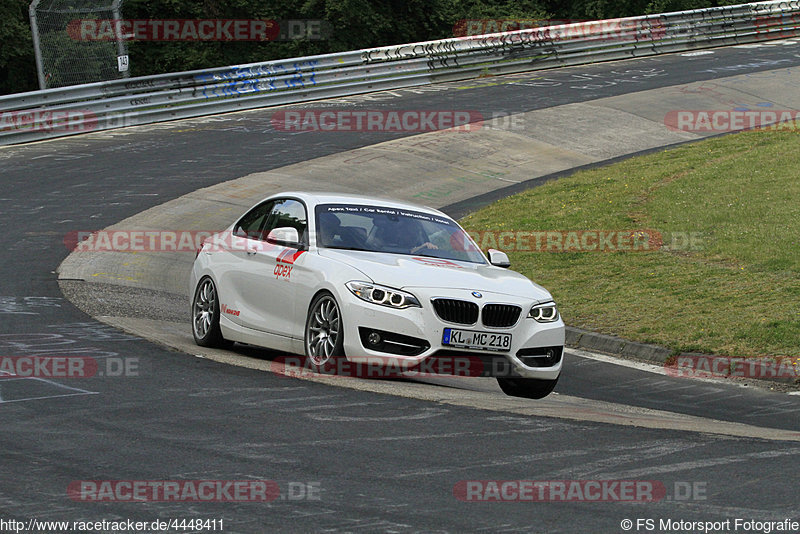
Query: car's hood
pixel 400 271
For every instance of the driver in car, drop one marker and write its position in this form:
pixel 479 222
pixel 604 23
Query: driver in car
pixel 403 234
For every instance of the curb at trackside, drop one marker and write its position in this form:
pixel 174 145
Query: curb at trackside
pixel 617 346
pixel 633 350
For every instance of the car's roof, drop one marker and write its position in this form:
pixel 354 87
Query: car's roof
pixel 315 198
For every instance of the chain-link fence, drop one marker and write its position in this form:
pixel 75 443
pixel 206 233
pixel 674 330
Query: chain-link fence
pixel 64 54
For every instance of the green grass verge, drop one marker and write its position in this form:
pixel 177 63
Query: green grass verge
pixel 735 292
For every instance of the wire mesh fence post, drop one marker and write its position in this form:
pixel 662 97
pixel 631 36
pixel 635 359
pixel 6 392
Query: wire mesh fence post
pixel 78 41
pixel 122 51
pixel 37 49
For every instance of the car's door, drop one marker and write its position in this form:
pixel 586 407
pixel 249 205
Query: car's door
pixel 271 271
pixel 233 265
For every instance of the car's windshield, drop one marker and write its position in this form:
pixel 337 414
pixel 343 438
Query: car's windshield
pixel 393 230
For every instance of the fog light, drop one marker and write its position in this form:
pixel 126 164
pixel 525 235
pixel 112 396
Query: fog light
pixel 374 338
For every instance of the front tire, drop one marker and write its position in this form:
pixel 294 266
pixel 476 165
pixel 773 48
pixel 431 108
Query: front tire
pixel 529 388
pixel 205 316
pixel 324 331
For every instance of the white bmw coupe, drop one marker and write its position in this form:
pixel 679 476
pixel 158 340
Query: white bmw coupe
pixel 371 280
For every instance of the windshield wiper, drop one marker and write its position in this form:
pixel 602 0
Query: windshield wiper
pixel 446 258
pixel 341 247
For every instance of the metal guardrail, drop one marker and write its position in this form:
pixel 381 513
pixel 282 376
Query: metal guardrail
pixel 39 115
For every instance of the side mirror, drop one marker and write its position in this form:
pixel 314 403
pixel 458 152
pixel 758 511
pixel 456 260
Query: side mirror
pixel 285 235
pixel 499 258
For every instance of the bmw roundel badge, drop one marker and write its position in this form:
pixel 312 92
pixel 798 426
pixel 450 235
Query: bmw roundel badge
pixel 476 294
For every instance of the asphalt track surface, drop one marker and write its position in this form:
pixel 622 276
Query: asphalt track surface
pixel 381 463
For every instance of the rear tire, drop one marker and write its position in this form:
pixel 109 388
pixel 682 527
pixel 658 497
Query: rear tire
pixel 205 316
pixel 529 388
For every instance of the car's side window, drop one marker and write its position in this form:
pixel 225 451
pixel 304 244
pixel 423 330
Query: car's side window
pixel 288 213
pixel 250 225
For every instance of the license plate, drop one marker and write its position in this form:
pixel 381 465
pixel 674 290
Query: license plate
pixel 476 340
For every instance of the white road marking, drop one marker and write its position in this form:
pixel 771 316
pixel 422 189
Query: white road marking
pixel 510 460
pixel 698 464
pixel 49 397
pixel 78 391
pixel 425 413
pixel 655 369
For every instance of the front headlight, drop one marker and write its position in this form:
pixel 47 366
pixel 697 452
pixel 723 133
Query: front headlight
pixel 546 312
pixel 385 296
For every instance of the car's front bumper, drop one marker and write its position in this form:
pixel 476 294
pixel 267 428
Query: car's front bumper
pixel 419 332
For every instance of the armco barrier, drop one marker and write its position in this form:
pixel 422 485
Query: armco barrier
pixel 65 111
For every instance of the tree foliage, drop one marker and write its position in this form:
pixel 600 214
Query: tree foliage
pixel 17 65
